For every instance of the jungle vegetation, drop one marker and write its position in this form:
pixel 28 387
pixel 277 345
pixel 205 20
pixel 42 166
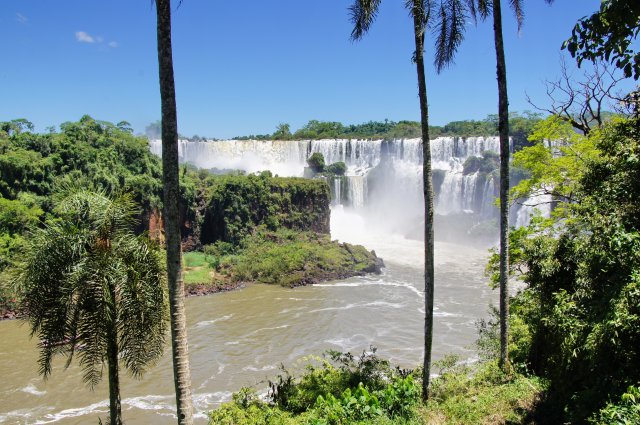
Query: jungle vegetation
pixel 520 125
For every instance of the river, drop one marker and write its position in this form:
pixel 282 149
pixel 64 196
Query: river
pixel 240 338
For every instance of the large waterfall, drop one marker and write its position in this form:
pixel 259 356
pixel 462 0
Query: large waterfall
pixel 383 178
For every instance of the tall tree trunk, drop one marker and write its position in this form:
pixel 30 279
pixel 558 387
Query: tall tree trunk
pixel 115 407
pixel 170 176
pixel 503 128
pixel 418 27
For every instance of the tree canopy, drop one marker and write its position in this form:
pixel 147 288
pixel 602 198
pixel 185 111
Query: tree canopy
pixel 609 35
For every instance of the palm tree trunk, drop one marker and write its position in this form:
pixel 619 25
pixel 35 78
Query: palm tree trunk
pixel 428 196
pixel 170 176
pixel 115 407
pixel 503 128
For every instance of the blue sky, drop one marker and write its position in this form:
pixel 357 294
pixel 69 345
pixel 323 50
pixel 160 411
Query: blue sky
pixel 243 67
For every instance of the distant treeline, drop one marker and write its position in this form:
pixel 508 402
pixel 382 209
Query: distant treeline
pixel 520 125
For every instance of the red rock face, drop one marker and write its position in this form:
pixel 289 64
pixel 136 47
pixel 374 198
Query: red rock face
pixel 156 226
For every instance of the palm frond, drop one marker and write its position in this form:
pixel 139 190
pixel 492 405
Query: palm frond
pixel 485 8
pixel 450 32
pixel 518 11
pixel 479 9
pixel 423 9
pixel 88 275
pixel 363 13
pixel 143 305
pixel 441 31
pixel 473 10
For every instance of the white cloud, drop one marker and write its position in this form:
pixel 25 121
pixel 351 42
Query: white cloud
pixel 84 37
pixel 113 44
pixel 21 18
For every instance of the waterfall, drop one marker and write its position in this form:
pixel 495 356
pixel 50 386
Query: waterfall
pixel 357 190
pixel 536 203
pixel 337 186
pixel 382 176
pixel 487 207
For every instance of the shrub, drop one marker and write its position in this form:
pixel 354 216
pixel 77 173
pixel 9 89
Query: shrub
pixel 337 168
pixel 624 412
pixel 332 377
pixel 316 162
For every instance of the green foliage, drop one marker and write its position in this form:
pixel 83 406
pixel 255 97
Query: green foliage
pixel 316 162
pixel 351 406
pixel 315 129
pixel 609 34
pixel 10 247
pixel 16 216
pixel 283 132
pixel 336 373
pixel 96 153
pixel 624 412
pixel 341 389
pixel 255 413
pixel 580 311
pixel 23 170
pixel 290 258
pixel 194 259
pixel 238 204
pixel 408 130
pixel 519 127
pixel 555 169
pixel 337 168
pixel 88 153
pixel 197 270
pixel 16 126
pixel 461 395
pixel 88 281
pixel 399 397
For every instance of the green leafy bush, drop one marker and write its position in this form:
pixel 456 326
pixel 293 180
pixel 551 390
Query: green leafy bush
pixel 339 389
pixel 337 372
pixel 578 320
pixel 290 258
pixel 353 405
pixel 624 412
pixel 316 162
pixel 337 168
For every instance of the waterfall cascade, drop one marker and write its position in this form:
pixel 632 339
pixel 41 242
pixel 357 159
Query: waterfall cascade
pixel 384 176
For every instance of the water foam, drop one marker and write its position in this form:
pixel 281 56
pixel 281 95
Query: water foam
pixel 211 322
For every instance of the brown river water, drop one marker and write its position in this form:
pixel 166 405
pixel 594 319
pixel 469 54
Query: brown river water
pixel 240 338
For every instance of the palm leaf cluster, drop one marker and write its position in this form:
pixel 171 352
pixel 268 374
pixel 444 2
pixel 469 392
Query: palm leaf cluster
pixel 449 27
pixel 88 281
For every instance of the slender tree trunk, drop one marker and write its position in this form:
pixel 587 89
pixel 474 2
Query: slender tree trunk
pixel 170 176
pixel 503 128
pixel 428 196
pixel 115 407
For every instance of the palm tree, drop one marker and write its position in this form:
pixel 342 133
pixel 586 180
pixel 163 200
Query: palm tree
pixel 363 13
pixel 89 282
pixel 170 179
pixel 452 25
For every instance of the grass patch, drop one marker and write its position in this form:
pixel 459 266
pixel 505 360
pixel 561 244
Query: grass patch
pixel 195 259
pixel 197 270
pixel 480 395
